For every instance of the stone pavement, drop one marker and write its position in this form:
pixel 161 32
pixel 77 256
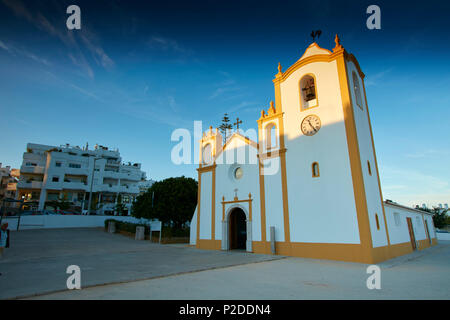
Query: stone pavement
pixel 37 261
pixel 36 265
pixel 420 275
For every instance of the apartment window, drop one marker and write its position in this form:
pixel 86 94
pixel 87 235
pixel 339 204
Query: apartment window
pixel 74 165
pixel 58 164
pixel 55 179
pixel 31 164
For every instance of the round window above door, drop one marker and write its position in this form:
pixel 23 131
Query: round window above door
pixel 238 173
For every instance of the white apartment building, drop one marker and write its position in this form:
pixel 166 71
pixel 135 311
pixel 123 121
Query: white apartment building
pixel 8 182
pixel 67 172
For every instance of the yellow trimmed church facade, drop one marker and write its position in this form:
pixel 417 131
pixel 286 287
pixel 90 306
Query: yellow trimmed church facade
pixel 309 186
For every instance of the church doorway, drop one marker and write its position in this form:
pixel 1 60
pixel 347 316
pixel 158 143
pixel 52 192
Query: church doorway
pixel 238 229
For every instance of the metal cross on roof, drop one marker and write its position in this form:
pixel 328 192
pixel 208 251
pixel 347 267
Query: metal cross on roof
pixel 238 122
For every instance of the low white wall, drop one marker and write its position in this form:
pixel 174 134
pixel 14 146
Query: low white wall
pixel 65 221
pixel 443 236
pixel 399 233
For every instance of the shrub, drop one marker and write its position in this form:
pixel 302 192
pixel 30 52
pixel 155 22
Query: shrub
pixel 127 226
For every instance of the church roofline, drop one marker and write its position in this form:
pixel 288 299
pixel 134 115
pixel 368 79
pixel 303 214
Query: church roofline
pixel 326 56
pixel 247 140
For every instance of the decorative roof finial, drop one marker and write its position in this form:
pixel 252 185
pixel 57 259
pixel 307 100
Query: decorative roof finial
pixel 263 114
pixel 272 108
pixel 338 44
pixel 280 72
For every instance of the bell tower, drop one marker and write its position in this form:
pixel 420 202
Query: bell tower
pixel 210 146
pixel 330 171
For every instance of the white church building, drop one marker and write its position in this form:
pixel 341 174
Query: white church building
pixel 309 186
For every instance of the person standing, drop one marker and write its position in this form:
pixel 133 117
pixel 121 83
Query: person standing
pixel 4 238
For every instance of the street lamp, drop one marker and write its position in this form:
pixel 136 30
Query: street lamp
pixel 92 181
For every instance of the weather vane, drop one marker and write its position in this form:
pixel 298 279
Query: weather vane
pixel 315 34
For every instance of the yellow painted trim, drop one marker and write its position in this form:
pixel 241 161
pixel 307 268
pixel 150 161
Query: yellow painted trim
pixel 237 201
pixel 213 205
pixel 250 210
pixel 198 207
pixel 355 159
pixel 223 209
pixel 302 108
pixel 423 244
pixel 287 233
pixel 279 109
pixel 271 154
pixel 207 168
pixel 268 118
pixel 318 58
pixel 314 44
pixel 238 135
pixel 427 231
pixel 262 199
pixel 206 244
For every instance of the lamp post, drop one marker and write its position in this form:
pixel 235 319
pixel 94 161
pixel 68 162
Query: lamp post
pixel 90 192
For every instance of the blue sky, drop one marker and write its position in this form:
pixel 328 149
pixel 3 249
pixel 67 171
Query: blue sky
pixel 137 70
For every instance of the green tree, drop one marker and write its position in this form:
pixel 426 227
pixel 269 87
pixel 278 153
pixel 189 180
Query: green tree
pixel 440 218
pixel 225 127
pixel 171 201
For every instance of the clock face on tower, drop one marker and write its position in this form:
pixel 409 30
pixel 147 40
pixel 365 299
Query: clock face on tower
pixel 311 125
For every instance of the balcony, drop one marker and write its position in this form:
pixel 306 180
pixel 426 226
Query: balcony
pixel 122 175
pixel 32 169
pixel 77 171
pixel 26 184
pixel 11 186
pixel 75 185
pixel 119 189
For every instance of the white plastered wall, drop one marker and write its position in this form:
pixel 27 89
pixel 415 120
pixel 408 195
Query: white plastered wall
pixel 205 205
pixel 321 210
pixel 226 184
pixel 274 199
pixel 372 190
pixel 399 233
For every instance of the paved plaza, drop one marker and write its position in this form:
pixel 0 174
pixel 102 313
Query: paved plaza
pixel 114 266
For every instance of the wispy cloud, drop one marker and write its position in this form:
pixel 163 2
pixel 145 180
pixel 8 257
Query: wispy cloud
pixel 81 90
pixel 428 153
pixel 222 90
pixel 97 51
pixel 22 52
pixel 374 79
pixel 167 44
pixel 413 187
pixel 76 55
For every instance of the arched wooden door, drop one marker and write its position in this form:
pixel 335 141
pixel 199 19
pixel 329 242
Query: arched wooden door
pixel 238 229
